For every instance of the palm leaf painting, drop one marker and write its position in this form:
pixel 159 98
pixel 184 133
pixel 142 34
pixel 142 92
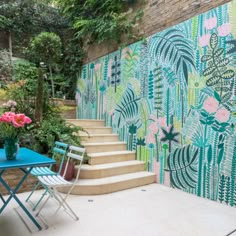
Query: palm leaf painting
pixel 182 165
pixel 176 50
pixel 128 107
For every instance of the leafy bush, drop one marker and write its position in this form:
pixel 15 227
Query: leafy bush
pixel 41 137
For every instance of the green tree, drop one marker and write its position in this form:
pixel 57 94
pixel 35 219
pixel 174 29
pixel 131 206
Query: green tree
pixel 46 47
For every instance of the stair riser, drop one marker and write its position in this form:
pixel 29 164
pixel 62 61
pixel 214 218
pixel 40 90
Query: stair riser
pixel 87 123
pixel 111 159
pixel 100 139
pixel 95 174
pixel 98 130
pixel 105 148
pixel 110 188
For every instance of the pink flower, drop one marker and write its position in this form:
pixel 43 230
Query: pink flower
pixel 11 122
pixel 211 105
pixel 150 139
pixel 152 117
pixel 97 66
pixel 222 115
pixel 153 127
pixel 224 30
pixel 162 121
pixel 7 117
pixel 19 120
pixel 204 40
pixel 210 23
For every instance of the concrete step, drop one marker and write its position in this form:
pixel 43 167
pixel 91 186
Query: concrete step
pixel 96 130
pixel 110 157
pixel 111 184
pixel 87 123
pixel 104 147
pixel 110 169
pixel 99 138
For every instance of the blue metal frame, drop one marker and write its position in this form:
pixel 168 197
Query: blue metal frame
pixel 26 160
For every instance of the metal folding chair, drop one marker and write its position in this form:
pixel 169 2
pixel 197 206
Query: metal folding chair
pixel 53 182
pixel 59 153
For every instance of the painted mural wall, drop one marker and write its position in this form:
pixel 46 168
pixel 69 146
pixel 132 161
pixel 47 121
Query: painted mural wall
pixel 172 98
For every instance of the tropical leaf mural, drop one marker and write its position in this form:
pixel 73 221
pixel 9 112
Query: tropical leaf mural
pixel 172 98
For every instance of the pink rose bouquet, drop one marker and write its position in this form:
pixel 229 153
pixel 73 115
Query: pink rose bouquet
pixel 11 124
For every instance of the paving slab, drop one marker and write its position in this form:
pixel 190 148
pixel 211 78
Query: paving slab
pixel 152 210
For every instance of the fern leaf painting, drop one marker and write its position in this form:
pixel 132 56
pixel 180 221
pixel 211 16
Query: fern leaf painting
pixel 175 49
pixel 182 165
pixel 128 107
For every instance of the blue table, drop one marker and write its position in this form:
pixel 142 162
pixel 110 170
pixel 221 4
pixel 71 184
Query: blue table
pixel 26 160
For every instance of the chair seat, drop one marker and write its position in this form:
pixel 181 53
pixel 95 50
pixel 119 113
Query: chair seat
pixel 54 181
pixel 38 171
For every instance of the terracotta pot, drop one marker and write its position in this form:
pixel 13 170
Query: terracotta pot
pixel 70 170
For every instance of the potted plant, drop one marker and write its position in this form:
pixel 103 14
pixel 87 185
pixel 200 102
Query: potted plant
pixel 11 126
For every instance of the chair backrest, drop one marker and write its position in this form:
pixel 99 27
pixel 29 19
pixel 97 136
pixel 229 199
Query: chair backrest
pixel 59 153
pixel 77 154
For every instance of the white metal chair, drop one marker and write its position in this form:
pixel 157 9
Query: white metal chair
pixel 59 153
pixel 53 182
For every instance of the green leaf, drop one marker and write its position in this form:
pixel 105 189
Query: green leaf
pixel 208 71
pixel 223 62
pixel 203 122
pixel 226 97
pixel 209 154
pixel 206 58
pixel 204 113
pixel 212 81
pixel 217 96
pixel 220 156
pixel 218 52
pixel 229 74
pixel 213 41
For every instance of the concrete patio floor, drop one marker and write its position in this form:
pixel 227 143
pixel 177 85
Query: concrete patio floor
pixel 152 210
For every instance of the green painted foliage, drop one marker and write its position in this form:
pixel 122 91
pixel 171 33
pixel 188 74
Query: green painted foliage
pixel 182 165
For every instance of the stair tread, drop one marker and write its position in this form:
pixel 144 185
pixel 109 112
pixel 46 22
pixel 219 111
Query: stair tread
pixel 114 179
pixel 98 154
pixel 101 143
pixel 111 165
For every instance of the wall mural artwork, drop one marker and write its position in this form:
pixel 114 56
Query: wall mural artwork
pixel 172 98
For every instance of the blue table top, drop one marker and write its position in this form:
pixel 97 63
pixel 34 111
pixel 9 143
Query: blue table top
pixel 24 158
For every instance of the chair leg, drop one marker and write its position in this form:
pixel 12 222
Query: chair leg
pixel 63 203
pixel 42 206
pixel 35 187
pixel 41 198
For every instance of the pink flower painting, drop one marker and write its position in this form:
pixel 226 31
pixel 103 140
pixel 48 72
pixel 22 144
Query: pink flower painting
pixel 204 40
pixel 211 105
pixel 150 139
pixel 222 115
pixel 153 127
pixel 210 23
pixel 224 30
pixel 97 66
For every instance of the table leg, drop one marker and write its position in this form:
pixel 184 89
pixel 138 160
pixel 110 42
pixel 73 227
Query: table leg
pixel 12 193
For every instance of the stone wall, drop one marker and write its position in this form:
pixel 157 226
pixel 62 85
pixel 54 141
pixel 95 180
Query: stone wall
pixel 159 15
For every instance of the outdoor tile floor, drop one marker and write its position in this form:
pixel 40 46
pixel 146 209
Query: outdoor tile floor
pixel 151 210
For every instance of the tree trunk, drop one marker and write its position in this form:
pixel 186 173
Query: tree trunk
pixel 52 82
pixel 10 45
pixel 38 115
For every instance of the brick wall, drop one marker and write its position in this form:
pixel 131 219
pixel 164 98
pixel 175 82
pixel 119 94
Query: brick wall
pixel 159 15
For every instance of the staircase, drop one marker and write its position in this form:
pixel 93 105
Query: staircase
pixel 110 166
